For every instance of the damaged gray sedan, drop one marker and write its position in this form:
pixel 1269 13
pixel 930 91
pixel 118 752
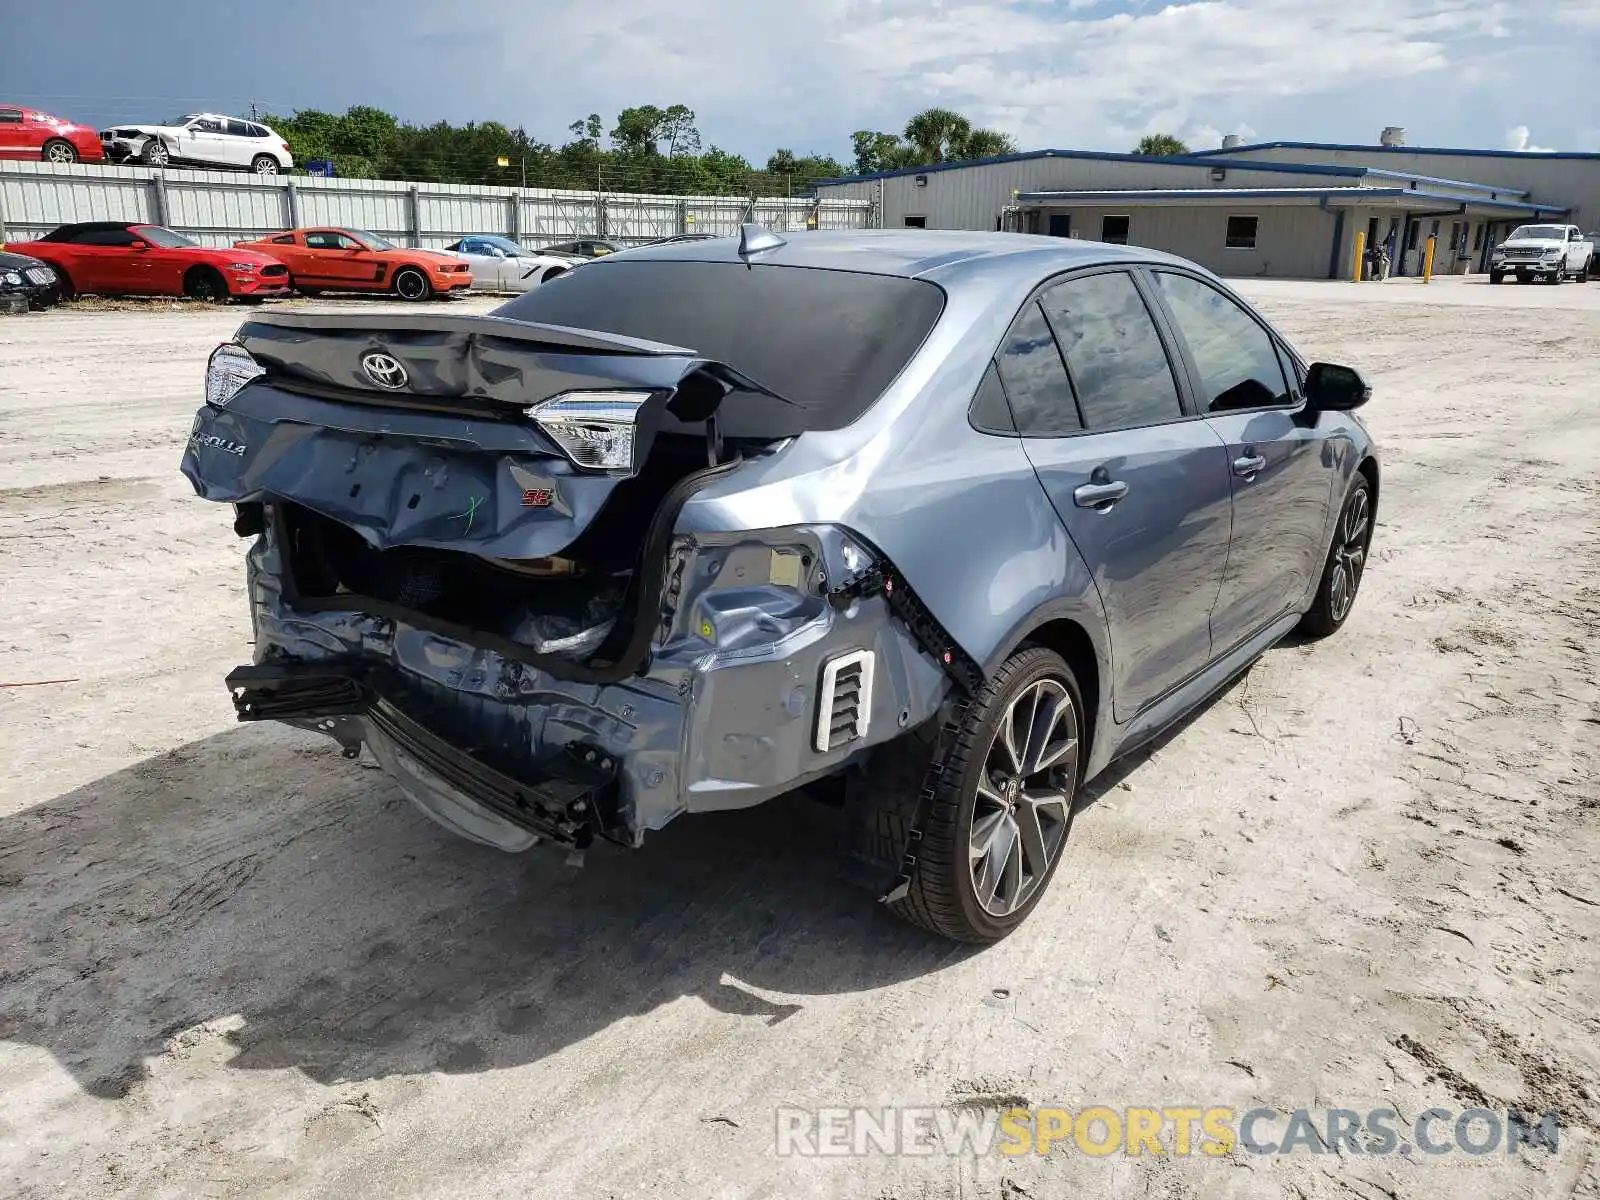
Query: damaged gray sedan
pixel 939 523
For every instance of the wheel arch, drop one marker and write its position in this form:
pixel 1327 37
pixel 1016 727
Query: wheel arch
pixel 1368 466
pixel 1076 630
pixel 1072 642
pixel 200 268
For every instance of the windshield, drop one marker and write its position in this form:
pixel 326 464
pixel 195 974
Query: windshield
pixel 159 235
pixel 183 120
pixel 506 244
pixel 1544 232
pixel 829 341
pixel 371 240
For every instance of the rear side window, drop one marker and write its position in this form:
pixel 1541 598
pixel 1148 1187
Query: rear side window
pixel 283 239
pixel 10 116
pixel 1236 357
pixel 238 128
pixel 1034 379
pixel 829 341
pixel 104 237
pixel 1118 365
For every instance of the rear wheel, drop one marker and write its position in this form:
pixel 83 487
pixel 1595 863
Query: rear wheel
pixel 206 285
pixel 264 164
pixel 411 284
pixel 1347 561
pixel 58 151
pixel 1002 807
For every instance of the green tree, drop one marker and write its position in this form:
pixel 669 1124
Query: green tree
pixel 938 135
pixel 1160 144
pixel 988 143
pixel 879 151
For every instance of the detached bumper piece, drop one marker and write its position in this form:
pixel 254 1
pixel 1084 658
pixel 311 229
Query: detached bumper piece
pixel 568 796
pixel 878 580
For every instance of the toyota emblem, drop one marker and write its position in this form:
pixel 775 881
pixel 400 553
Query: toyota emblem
pixel 385 371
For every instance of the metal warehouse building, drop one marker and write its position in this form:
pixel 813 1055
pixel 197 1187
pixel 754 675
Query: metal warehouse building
pixel 1287 209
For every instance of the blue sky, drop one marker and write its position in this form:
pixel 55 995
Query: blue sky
pixel 1092 74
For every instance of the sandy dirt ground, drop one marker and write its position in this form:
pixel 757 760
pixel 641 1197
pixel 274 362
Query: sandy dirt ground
pixel 233 963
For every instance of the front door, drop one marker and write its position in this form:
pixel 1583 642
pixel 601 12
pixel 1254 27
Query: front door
pixel 336 259
pixel 1141 489
pixel 1282 481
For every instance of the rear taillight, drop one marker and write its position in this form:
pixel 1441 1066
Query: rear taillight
pixel 229 369
pixel 594 429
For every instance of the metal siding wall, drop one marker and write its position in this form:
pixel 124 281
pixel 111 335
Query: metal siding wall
pixel 973 197
pixel 220 208
pixel 1292 241
pixel 1572 182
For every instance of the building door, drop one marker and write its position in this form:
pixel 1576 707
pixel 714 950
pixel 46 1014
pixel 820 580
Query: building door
pixel 1060 224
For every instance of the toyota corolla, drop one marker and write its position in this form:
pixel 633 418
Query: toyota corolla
pixel 949 521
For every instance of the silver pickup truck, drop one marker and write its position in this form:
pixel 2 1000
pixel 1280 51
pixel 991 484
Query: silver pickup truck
pixel 1553 252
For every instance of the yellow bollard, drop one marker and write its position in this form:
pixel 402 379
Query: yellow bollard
pixel 1427 259
pixel 1361 256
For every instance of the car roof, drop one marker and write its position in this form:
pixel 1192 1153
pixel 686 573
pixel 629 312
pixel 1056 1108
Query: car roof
pixel 906 252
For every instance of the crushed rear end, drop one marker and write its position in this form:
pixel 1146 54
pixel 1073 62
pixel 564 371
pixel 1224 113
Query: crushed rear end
pixel 464 557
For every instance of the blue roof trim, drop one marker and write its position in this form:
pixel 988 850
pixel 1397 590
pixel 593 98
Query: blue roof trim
pixel 1174 160
pixel 1242 194
pixel 1452 183
pixel 1533 154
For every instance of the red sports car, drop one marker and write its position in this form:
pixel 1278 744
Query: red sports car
pixel 28 133
pixel 116 258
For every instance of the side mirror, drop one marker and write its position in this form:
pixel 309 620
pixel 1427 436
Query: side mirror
pixel 1332 388
pixel 139 247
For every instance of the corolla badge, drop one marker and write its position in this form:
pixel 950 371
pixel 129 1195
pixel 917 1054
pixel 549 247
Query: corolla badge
pixel 385 371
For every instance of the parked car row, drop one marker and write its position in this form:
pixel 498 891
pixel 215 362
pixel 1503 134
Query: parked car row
pixel 194 139
pixel 123 258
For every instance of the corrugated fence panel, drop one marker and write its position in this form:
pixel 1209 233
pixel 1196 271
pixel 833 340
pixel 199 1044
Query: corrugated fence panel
pixel 375 205
pixel 632 218
pixel 553 216
pixel 221 207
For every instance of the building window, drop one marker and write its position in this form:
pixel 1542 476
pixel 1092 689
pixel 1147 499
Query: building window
pixel 1114 230
pixel 1242 233
pixel 916 222
pixel 1477 238
pixel 1060 224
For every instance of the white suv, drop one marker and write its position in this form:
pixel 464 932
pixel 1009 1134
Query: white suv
pixel 202 139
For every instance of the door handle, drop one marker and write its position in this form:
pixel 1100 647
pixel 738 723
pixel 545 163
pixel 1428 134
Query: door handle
pixel 1248 465
pixel 1099 495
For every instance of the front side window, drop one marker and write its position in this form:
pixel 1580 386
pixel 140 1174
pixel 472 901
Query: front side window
pixel 160 235
pixel 327 239
pixel 1242 232
pixel 206 125
pixel 1236 357
pixel 1118 365
pixel 1035 382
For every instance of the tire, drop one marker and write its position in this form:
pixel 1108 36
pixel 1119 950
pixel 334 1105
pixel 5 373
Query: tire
pixel 411 284
pixel 206 285
pixel 1496 277
pixel 56 150
pixel 64 285
pixel 1583 271
pixel 979 792
pixel 264 164
pixel 310 293
pixel 155 153
pixel 1346 564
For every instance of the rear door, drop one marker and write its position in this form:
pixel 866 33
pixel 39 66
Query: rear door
pixel 1282 475
pixel 1140 485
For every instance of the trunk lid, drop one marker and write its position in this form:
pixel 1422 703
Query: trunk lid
pixel 414 431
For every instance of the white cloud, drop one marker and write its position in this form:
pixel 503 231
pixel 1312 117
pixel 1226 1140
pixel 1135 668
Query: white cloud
pixel 1518 138
pixel 1085 73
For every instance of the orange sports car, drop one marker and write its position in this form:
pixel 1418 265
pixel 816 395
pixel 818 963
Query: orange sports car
pixel 353 260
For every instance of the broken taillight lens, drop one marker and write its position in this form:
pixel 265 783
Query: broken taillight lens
pixel 596 430
pixel 229 369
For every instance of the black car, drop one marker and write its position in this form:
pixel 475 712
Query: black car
pixel 583 248
pixel 32 281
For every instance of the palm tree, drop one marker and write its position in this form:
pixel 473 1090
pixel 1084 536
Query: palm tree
pixel 1160 143
pixel 938 135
